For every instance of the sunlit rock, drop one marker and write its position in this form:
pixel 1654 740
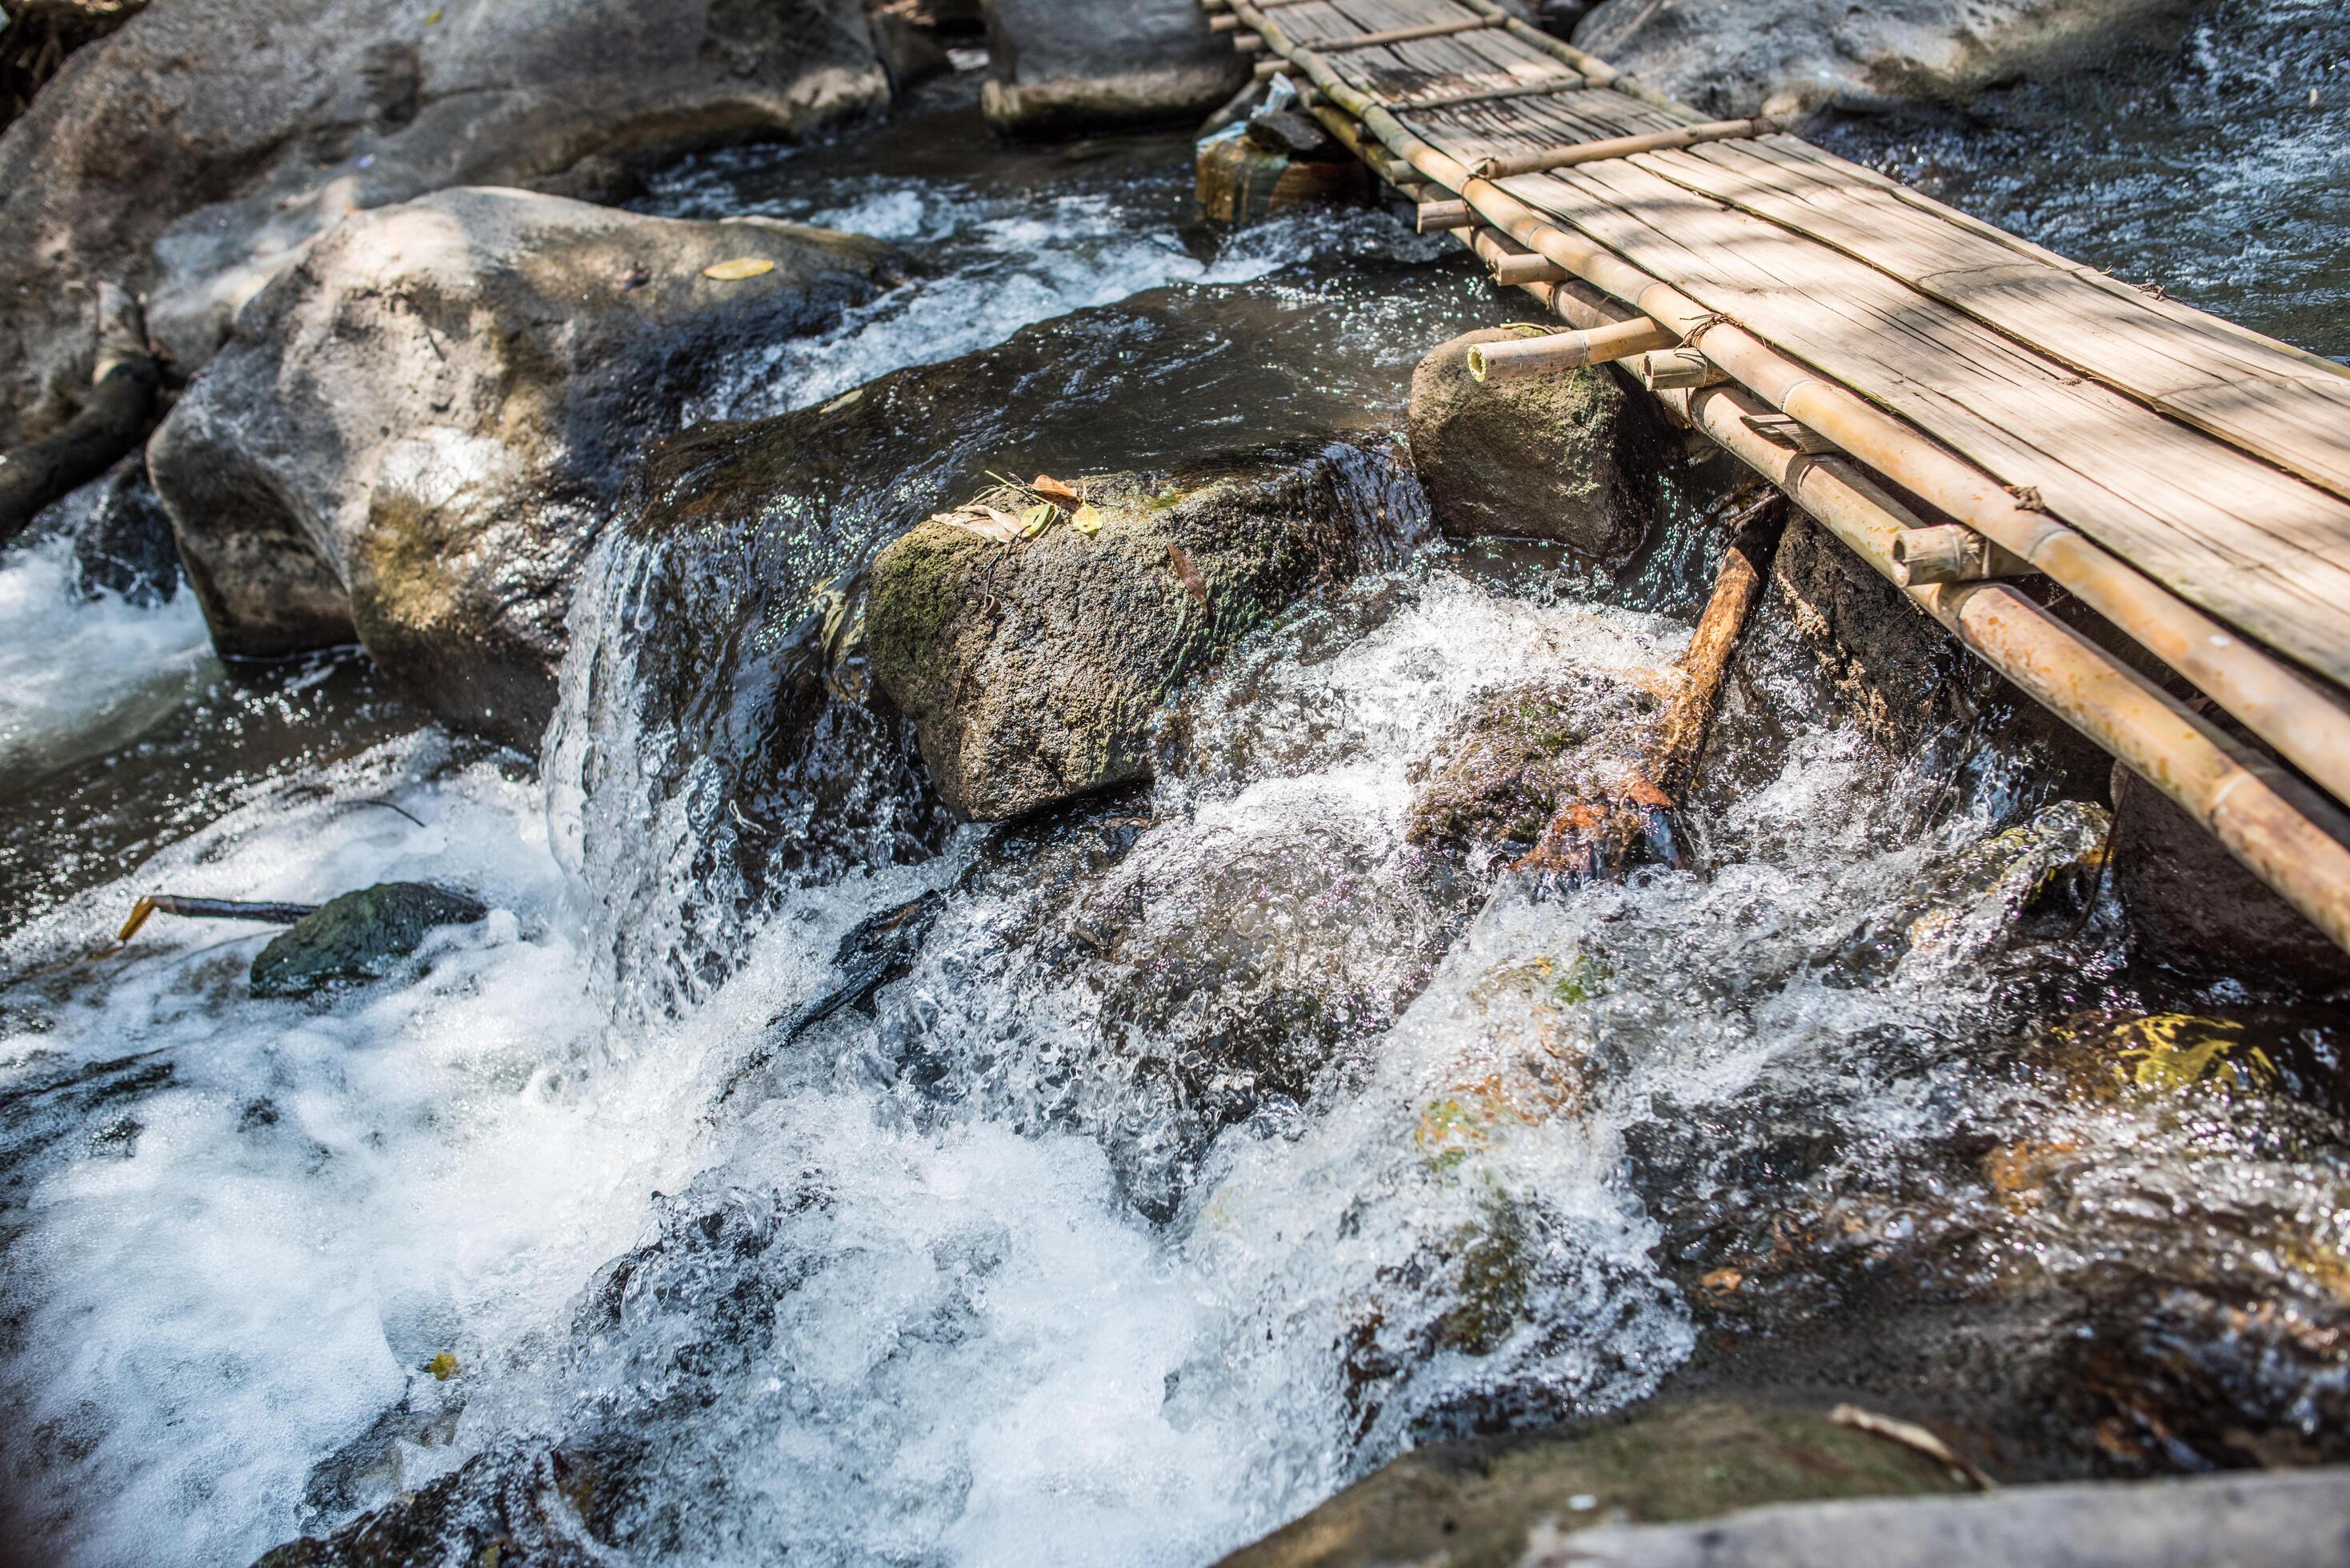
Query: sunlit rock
pixel 419 430
pixel 1547 457
pixel 197 152
pixel 1034 670
pixel 1056 67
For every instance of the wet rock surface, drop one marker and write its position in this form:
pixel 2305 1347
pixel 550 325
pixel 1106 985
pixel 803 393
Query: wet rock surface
pixel 359 937
pixel 196 152
pixel 418 429
pixel 1034 671
pixel 126 547
pixel 1527 753
pixel 1056 67
pixel 2195 908
pixel 1549 457
pixel 1758 55
pixel 1490 1505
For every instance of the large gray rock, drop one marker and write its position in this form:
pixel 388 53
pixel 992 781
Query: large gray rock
pixel 1747 57
pixel 1548 457
pixel 1058 67
pixel 420 427
pixel 197 151
pixel 1034 671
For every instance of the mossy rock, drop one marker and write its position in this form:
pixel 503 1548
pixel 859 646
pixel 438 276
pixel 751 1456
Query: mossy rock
pixel 1478 1505
pixel 1524 751
pixel 359 937
pixel 1548 457
pixel 1033 671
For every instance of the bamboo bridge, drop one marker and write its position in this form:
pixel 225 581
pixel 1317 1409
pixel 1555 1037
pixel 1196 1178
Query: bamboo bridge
pixel 1965 410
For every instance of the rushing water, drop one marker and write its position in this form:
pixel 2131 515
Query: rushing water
pixel 1203 1146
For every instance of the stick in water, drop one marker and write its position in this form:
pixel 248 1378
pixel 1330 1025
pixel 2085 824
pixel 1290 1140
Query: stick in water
pixel 210 909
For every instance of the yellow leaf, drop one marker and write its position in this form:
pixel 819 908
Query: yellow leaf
pixel 738 269
pixel 853 395
pixel 443 1366
pixel 1087 520
pixel 432 17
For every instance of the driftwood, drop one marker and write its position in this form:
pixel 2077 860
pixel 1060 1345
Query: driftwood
pixel 1590 839
pixel 211 910
pixel 122 395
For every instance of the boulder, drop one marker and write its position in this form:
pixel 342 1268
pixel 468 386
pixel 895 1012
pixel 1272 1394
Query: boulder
pixel 2194 908
pixel 1056 67
pixel 1735 57
pixel 202 146
pixel 1033 671
pixel 1491 1504
pixel 1272 163
pixel 1549 457
pixel 359 937
pixel 420 427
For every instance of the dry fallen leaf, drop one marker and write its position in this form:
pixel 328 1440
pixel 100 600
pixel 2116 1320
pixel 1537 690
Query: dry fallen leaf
pixel 739 268
pixel 1055 490
pixel 983 521
pixel 1723 1281
pixel 1187 570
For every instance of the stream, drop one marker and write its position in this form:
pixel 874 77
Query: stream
pixel 1208 1143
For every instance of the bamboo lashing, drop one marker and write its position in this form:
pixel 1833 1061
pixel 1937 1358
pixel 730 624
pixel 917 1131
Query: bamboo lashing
pixel 1607 147
pixel 2305 723
pixel 1554 352
pixel 2279 828
pixel 1950 552
pixel 1669 367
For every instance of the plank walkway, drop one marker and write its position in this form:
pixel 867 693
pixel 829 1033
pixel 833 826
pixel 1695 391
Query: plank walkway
pixel 2214 460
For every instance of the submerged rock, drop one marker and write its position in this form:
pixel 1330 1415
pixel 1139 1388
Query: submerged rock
pixel 126 547
pixel 2194 907
pixel 1033 671
pixel 1489 1504
pixel 1058 68
pixel 1527 753
pixel 1549 457
pixel 358 937
pixel 418 429
pixel 196 152
pixel 1732 58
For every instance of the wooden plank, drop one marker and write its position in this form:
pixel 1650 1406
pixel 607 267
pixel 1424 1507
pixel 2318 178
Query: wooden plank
pixel 2222 529
pixel 2269 404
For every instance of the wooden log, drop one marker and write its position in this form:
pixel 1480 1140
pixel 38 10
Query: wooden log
pixel 1737 583
pixel 1440 217
pixel 114 420
pixel 1623 147
pixel 2307 723
pixel 1668 368
pixel 211 910
pixel 1951 554
pixel 1400 36
pixel 1556 352
pixel 2282 831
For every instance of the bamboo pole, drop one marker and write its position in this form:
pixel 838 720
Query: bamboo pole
pixel 1608 147
pixel 2282 831
pixel 2309 725
pixel 1669 367
pixel 1227 22
pixel 1590 67
pixel 1401 36
pixel 1554 352
pixel 1442 217
pixel 1510 264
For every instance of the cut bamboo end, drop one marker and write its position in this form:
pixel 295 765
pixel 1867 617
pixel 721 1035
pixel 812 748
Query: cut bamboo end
pixel 1268 69
pixel 1556 352
pixel 1249 43
pixel 1677 368
pixel 1227 22
pixel 1436 217
pixel 1951 554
